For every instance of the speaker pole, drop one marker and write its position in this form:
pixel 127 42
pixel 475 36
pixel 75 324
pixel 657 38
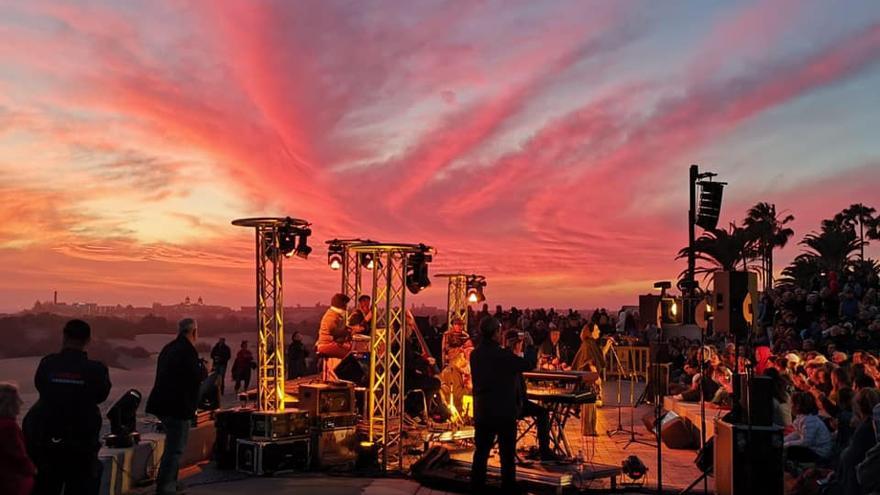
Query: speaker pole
pixel 694 174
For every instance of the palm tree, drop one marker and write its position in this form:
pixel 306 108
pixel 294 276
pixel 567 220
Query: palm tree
pixel 800 272
pixel 770 232
pixel 722 250
pixel 861 215
pixel 833 246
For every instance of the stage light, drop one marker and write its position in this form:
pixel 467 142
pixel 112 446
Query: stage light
pixel 302 245
pixel 674 308
pixel 335 252
pixel 123 421
pixel 367 260
pixel 287 239
pixel 472 296
pixel 634 468
pixel 417 274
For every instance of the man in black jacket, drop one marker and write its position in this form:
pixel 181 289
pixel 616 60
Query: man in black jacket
pixel 63 427
pixel 498 402
pixel 220 355
pixel 174 399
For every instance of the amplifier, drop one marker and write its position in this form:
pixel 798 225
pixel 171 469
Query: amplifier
pixel 275 456
pixel 231 425
pixel 748 459
pixel 322 398
pixel 270 425
pixel 335 420
pixel 334 447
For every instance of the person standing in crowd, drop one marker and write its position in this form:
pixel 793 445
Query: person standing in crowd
pixel 16 469
pixel 498 402
pixel 174 399
pixel 296 357
pixel 242 366
pixel 62 429
pixel 220 355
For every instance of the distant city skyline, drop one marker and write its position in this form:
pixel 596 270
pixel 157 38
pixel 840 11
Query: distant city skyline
pixel 544 145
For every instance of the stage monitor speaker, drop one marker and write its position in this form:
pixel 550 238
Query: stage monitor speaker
pixel 354 368
pixel 736 302
pixel 675 431
pixel 748 459
pixel 756 397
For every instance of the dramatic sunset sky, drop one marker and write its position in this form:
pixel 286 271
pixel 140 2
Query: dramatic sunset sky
pixel 544 145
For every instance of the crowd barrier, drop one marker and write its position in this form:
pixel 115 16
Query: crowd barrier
pixel 633 359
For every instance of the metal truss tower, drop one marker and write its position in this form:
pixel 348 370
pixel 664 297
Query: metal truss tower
pixel 456 299
pixel 270 307
pixel 387 366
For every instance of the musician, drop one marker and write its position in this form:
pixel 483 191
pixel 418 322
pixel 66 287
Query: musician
pixel 456 338
pixel 359 321
pixel 334 338
pixel 590 358
pixel 455 380
pixel 553 354
pixel 419 370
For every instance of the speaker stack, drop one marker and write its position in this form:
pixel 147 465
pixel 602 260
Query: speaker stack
pixel 736 296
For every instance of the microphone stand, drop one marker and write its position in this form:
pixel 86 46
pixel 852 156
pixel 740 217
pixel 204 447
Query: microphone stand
pixel 620 428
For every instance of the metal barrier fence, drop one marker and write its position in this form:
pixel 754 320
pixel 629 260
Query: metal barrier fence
pixel 633 359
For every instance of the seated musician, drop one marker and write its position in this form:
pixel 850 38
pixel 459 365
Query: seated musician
pixel 420 369
pixel 334 338
pixel 553 354
pixel 455 380
pixel 514 341
pixel 456 338
pixel 359 319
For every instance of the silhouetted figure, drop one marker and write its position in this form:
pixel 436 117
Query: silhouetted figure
pixel 220 356
pixel 174 399
pixel 16 469
pixel 296 357
pixel 242 366
pixel 62 429
pixel 498 402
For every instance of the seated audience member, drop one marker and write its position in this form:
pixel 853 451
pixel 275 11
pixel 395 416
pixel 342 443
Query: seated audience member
pixel 810 441
pixel 844 419
pixel 16 469
pixel 868 471
pixel 862 441
pixel 781 398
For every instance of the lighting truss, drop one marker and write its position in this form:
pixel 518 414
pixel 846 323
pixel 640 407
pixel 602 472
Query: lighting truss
pixel 270 307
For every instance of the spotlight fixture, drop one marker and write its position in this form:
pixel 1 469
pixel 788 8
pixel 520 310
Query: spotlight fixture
pixel 123 421
pixel 367 260
pixel 287 239
pixel 475 284
pixel 634 468
pixel 302 244
pixel 417 273
pixel 335 253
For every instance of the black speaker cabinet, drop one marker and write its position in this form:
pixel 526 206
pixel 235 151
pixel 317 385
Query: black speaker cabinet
pixel 354 368
pixel 736 303
pixel 232 425
pixel 748 460
pixel 756 397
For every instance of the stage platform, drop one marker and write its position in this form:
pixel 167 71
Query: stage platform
pixel 678 466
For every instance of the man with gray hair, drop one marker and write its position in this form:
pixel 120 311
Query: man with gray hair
pixel 174 398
